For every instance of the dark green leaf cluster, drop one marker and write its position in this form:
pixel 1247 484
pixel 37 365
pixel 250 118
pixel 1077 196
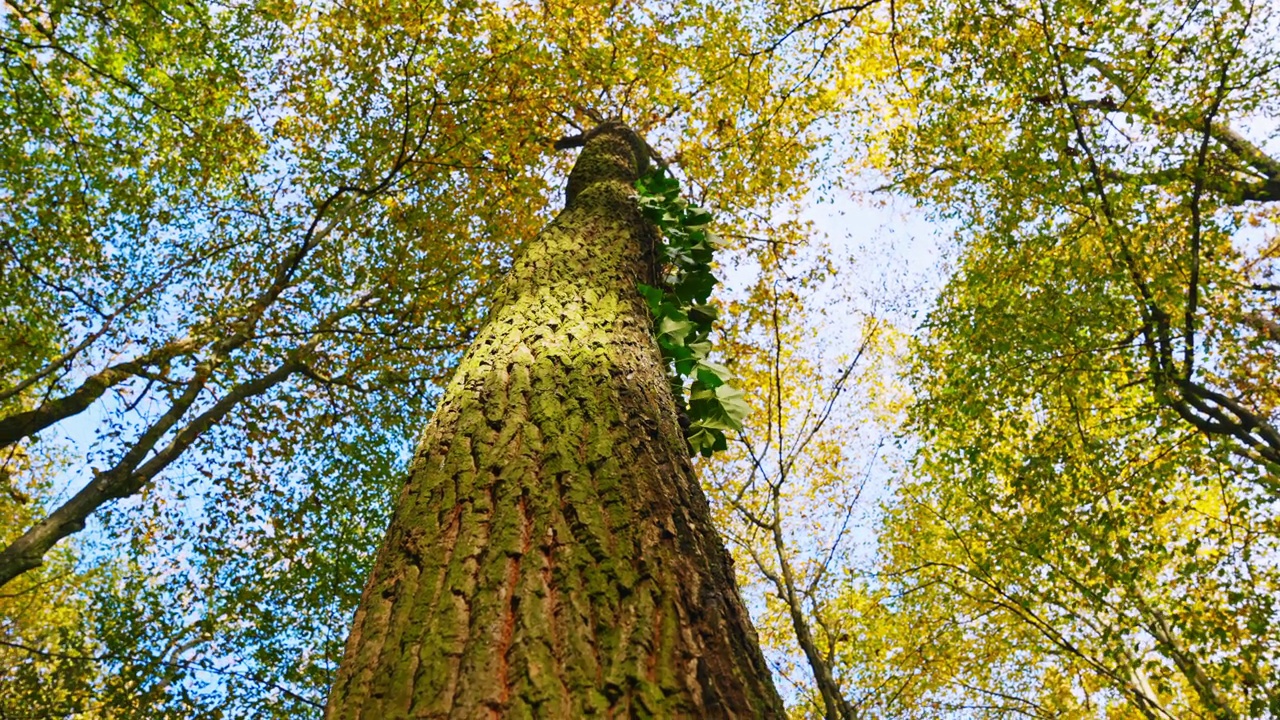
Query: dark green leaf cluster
pixel 682 316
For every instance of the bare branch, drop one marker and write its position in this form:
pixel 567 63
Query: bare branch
pixel 855 9
pixel 25 424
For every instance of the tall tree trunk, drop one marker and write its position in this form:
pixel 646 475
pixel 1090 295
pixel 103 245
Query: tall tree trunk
pixel 552 554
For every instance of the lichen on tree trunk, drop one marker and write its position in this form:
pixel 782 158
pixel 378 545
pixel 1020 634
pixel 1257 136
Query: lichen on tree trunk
pixel 551 554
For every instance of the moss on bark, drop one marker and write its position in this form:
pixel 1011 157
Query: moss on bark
pixel 551 554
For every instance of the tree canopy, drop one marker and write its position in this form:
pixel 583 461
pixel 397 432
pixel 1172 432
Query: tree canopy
pixel 243 247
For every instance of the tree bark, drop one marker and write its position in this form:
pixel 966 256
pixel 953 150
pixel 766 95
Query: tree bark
pixel 551 554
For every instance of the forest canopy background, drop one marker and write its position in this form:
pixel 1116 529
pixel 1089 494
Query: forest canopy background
pixel 242 245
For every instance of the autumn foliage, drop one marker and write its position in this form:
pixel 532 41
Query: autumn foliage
pixel 998 285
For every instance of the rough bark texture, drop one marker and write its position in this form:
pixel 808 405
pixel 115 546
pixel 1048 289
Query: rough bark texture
pixel 551 554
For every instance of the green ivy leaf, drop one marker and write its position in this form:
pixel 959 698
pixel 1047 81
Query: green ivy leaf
pixel 700 348
pixel 696 286
pixel 652 295
pixel 674 328
pixel 734 403
pixel 704 313
pixel 706 409
pixel 696 216
pixel 711 374
pixel 706 441
pixel 716 241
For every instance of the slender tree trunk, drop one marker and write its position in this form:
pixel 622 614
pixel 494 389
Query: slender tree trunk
pixel 552 554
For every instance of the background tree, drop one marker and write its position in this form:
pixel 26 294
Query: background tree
pixel 42 626
pixel 789 494
pixel 1096 506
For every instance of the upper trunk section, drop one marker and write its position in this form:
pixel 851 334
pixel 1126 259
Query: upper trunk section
pixel 552 554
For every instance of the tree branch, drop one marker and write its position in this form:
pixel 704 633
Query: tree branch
pixel 25 424
pixel 130 474
pixel 855 9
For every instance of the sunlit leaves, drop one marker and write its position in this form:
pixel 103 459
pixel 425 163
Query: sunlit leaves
pixel 1095 160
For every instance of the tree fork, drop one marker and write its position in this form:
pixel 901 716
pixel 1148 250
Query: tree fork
pixel 551 553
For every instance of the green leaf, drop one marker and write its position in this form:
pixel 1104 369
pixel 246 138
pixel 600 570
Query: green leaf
pixel 697 216
pixel 707 409
pixel 681 357
pixel 711 374
pixel 683 319
pixel 704 313
pixel 734 403
pixel 655 213
pixel 715 240
pixel 703 441
pixel 674 328
pixel 696 286
pixel 652 295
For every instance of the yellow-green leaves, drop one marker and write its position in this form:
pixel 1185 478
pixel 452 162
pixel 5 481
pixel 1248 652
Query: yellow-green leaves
pixel 1082 381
